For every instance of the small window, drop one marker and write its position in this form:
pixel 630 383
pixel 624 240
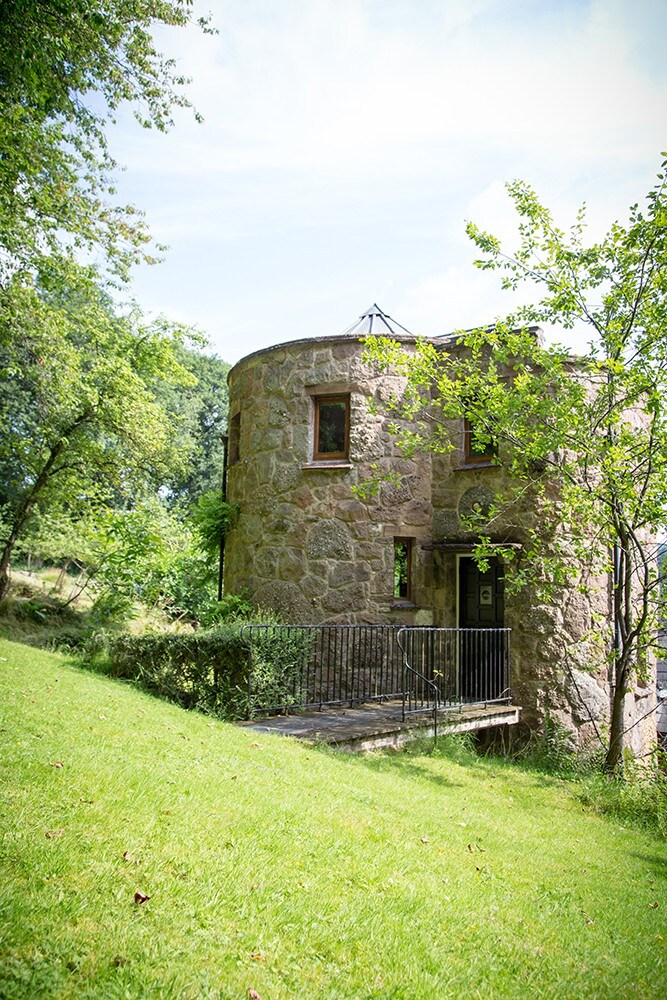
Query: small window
pixel 332 428
pixel 477 452
pixel 403 569
pixel 234 437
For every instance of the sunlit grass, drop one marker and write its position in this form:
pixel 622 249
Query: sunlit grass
pixel 293 871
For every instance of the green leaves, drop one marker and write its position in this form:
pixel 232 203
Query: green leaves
pixel 83 425
pixel 584 440
pixel 212 518
pixel 65 68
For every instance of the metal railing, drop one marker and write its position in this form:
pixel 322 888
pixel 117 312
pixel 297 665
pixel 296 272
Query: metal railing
pixel 317 666
pixel 453 667
pixel 313 666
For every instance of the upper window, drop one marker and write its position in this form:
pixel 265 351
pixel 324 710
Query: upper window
pixel 332 428
pixel 477 452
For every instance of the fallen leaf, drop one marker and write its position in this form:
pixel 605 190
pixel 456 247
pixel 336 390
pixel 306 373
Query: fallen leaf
pixel 52 836
pixel 258 957
pixel 654 906
pixel 256 745
pixel 127 856
pixel 141 897
pixel 56 763
pixel 424 840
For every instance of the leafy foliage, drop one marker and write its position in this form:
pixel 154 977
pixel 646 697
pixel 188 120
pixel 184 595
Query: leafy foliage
pixel 211 670
pixel 66 67
pixel 212 518
pixel 585 439
pixel 200 416
pixel 82 422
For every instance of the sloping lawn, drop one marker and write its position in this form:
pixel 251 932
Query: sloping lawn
pixel 296 872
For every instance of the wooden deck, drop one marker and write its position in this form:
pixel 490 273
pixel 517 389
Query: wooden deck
pixel 377 726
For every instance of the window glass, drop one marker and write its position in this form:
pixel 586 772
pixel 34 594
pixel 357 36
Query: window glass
pixel 332 426
pixel 477 451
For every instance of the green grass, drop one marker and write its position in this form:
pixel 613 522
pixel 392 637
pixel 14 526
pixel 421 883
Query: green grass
pixel 296 872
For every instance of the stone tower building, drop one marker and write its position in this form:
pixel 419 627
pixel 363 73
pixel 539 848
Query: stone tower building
pixel 303 432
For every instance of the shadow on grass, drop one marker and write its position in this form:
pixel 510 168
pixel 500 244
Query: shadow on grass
pixel 408 768
pixel 656 864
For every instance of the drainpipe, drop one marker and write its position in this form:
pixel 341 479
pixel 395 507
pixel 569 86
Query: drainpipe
pixel 221 554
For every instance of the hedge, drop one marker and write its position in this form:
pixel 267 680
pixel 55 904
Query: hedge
pixel 209 669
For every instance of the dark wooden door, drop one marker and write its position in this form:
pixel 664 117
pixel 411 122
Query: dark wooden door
pixel 481 652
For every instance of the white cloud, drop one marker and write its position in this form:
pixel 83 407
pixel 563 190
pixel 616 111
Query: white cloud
pixel 328 86
pixel 346 141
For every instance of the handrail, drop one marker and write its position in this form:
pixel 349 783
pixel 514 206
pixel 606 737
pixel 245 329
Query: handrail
pixel 293 667
pixel 325 665
pixel 418 675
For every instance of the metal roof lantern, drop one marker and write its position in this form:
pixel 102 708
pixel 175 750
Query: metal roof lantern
pixel 375 323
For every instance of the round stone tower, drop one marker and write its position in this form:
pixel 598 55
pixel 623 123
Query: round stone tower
pixel 308 426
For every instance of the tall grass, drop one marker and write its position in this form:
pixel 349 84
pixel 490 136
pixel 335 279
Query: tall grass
pixel 293 871
pixel 636 795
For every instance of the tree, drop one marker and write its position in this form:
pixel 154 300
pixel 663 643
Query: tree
pixel 82 425
pixel 200 410
pixel 66 67
pixel 586 437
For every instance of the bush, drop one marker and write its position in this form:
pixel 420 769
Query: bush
pixel 212 670
pixel 277 665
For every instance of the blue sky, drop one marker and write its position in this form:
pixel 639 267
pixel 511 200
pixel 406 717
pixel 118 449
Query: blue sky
pixel 346 142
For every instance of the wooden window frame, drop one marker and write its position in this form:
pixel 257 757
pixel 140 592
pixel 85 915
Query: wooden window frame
pixel 471 457
pixel 331 456
pixel 408 597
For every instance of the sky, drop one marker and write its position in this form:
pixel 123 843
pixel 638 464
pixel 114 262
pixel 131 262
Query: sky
pixel 345 144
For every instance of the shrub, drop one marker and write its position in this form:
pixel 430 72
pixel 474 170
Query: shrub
pixel 277 664
pixel 212 670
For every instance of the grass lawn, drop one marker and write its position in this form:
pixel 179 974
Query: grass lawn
pixel 296 872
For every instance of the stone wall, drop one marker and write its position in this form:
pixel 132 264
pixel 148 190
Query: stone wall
pixel 308 546
pixel 305 542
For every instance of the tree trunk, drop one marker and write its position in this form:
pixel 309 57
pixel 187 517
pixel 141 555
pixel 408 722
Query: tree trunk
pixel 6 556
pixel 58 586
pixel 615 747
pixel 622 597
pixel 30 499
